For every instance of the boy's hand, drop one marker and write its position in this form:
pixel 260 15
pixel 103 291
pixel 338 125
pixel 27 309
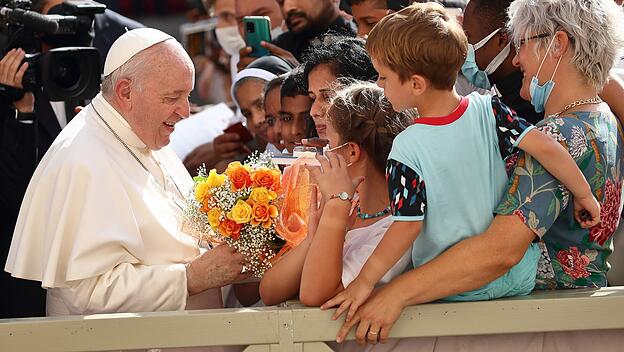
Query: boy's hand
pixel 587 211
pixel 351 298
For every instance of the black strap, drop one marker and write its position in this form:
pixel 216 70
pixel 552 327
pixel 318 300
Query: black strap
pixel 70 112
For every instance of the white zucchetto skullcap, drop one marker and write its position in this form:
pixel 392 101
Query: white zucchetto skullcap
pixel 131 43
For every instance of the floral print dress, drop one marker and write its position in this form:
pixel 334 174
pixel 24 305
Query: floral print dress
pixel 572 257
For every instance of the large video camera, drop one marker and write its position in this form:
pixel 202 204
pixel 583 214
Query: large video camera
pixel 58 47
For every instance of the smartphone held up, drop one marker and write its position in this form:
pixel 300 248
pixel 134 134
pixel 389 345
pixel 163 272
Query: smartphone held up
pixel 257 30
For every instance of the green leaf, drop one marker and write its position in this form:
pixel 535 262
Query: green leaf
pixel 529 164
pixel 551 207
pixel 538 169
pixel 199 179
pixel 584 161
pixel 508 204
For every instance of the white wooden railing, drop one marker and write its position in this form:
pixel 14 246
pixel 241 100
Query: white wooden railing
pixel 295 328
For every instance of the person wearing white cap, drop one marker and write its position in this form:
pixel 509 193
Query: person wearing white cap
pixel 100 222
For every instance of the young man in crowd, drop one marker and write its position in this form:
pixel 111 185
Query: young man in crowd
pixel 296 121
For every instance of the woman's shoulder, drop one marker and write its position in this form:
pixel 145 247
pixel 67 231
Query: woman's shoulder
pixel 568 122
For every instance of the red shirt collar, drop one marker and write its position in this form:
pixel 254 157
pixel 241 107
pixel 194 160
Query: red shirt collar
pixel 445 120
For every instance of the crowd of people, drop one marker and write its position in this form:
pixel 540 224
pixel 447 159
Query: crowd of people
pixel 467 155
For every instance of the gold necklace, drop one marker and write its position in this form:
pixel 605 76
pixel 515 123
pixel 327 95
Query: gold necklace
pixel 594 100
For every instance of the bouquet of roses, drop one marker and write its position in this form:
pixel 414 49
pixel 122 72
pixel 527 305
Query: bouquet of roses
pixel 240 207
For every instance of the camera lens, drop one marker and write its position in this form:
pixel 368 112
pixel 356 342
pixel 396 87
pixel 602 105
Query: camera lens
pixel 66 73
pixel 250 27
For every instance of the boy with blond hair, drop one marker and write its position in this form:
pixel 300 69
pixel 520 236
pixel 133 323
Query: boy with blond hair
pixel 446 173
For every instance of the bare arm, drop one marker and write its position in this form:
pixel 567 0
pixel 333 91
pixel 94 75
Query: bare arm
pixel 281 282
pixel 322 270
pixel 559 163
pixel 468 265
pixel 556 160
pixel 393 245
pixel 248 293
pixel 612 94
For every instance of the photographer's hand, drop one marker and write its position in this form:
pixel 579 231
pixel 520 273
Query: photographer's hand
pixel 12 73
pixel 26 104
pixel 12 69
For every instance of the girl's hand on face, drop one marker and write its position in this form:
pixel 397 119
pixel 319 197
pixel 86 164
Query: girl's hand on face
pixel 332 177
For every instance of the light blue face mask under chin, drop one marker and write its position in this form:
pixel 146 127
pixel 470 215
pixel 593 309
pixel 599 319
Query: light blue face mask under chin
pixel 541 93
pixel 470 70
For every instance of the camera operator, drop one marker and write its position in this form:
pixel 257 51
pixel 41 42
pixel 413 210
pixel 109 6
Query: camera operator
pixel 29 123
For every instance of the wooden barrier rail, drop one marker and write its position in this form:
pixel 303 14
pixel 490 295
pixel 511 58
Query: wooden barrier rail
pixel 294 328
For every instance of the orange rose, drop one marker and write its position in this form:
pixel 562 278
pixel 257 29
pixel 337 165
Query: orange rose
pixel 263 214
pixel 229 228
pixel 205 208
pixel 238 175
pixel 268 178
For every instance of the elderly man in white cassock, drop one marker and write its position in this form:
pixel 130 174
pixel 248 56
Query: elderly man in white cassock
pixel 99 225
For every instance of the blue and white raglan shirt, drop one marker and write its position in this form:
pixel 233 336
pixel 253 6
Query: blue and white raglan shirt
pixel 449 173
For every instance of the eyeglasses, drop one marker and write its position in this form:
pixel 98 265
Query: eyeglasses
pixel 522 41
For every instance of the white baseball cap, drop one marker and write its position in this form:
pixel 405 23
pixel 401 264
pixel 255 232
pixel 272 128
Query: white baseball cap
pixel 131 43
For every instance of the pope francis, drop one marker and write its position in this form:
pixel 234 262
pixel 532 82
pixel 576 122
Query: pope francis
pixel 99 225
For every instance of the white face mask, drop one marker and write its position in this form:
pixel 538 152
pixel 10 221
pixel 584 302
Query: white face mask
pixel 275 32
pixel 230 39
pixel 472 72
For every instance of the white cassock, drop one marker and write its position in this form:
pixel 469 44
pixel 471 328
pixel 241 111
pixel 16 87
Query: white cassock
pixel 100 232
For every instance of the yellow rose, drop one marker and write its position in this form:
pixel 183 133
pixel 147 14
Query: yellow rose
pixel 214 179
pixel 262 195
pixel 241 213
pixel 214 217
pixel 202 190
pixel 238 175
pixel 268 178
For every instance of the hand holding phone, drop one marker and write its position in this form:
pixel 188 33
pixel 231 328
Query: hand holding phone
pixel 257 29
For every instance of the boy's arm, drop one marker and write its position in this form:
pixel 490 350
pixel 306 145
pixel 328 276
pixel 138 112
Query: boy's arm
pixel 557 161
pixel 395 242
pixel 513 131
pixel 408 203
